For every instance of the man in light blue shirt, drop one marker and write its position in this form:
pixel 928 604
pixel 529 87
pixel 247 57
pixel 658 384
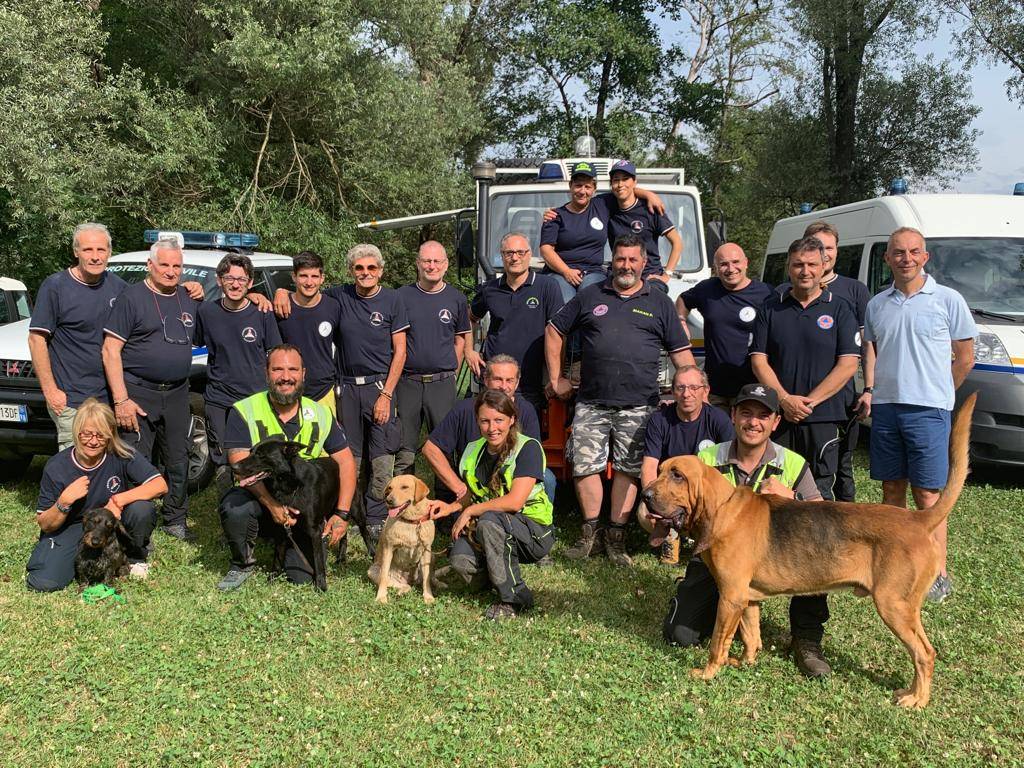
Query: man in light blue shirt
pixel 923 336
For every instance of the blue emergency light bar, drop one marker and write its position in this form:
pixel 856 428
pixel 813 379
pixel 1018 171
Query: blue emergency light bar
pixel 207 239
pixel 806 207
pixel 1018 188
pixel 898 186
pixel 550 172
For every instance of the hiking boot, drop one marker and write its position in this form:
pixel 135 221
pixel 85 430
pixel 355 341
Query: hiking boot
pixel 809 658
pixel 181 532
pixel 235 578
pixel 371 537
pixel 615 546
pixel 585 544
pixel 501 612
pixel 940 590
pixel 668 552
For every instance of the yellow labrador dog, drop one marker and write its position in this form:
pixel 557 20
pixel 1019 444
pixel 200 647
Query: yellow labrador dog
pixel 403 552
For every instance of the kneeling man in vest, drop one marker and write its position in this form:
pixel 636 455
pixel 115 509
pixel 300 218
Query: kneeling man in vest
pixel 280 410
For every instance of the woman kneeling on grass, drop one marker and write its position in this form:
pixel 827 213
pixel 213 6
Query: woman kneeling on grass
pixel 503 472
pixel 95 471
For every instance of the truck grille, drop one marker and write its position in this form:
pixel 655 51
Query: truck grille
pixel 17 369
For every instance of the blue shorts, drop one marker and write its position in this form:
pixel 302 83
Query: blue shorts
pixel 910 442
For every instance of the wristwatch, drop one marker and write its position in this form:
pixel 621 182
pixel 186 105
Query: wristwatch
pixel 867 390
pixel 64 509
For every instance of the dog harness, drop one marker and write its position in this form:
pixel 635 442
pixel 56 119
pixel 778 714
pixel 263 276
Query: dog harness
pixel 787 465
pixel 261 418
pixel 538 505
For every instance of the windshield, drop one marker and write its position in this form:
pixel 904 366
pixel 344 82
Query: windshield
pixel 136 273
pixel 524 212
pixel 988 272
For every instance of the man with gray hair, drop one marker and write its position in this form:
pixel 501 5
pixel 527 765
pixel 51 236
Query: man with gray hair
pixel 66 329
pixel 147 357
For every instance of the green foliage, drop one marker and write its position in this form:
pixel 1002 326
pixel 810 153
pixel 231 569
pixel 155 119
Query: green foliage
pixel 992 31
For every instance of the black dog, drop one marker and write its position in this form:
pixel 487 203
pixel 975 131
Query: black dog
pixel 101 558
pixel 311 487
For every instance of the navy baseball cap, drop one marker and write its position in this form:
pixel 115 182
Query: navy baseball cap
pixel 584 168
pixel 759 393
pixel 623 166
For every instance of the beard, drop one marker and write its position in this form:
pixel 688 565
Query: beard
pixel 625 280
pixel 280 398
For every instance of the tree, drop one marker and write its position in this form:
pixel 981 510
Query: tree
pixel 992 30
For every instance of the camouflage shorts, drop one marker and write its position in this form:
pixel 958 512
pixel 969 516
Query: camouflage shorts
pixel 596 427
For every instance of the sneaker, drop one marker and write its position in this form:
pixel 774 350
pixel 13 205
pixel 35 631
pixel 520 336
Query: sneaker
pixel 615 546
pixel 668 552
pixel 940 590
pixel 585 544
pixel 235 578
pixel 501 612
pixel 180 531
pixel 809 658
pixel 139 571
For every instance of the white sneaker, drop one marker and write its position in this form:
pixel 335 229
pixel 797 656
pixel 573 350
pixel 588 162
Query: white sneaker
pixel 139 571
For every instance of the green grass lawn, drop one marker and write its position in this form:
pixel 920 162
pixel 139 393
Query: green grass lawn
pixel 279 675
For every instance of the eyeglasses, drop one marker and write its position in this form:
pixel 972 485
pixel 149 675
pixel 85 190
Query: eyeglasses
pixel 236 280
pixel 87 437
pixel 520 254
pixel 365 268
pixel 175 330
pixel 694 388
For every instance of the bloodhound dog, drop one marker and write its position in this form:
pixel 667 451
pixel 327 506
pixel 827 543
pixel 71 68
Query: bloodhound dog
pixel 758 546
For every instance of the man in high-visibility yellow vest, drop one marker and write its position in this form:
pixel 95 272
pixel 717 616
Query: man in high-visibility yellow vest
pixel 280 410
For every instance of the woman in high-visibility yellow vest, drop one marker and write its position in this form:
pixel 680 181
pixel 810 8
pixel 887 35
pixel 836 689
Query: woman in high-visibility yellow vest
pixel 503 472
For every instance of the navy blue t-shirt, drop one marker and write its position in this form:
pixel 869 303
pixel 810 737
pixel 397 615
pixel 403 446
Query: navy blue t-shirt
pixel 517 323
pixel 459 428
pixel 579 238
pixel 237 342
pixel 111 476
pixel 667 435
pixel 435 318
pixel 311 329
pixel 852 291
pixel 728 330
pixel 237 437
pixel 72 315
pixel 157 330
pixel 622 338
pixel 529 463
pixel 803 345
pixel 638 220
pixel 364 329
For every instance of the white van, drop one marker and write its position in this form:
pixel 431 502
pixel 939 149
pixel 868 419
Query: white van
pixel 976 246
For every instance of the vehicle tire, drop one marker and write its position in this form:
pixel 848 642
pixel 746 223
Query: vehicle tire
pixel 200 463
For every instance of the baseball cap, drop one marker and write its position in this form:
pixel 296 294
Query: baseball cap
pixel 584 169
pixel 759 393
pixel 623 166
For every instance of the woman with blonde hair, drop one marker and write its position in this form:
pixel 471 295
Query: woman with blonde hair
pixel 97 470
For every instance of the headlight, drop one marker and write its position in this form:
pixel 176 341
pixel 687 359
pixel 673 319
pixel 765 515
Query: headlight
pixel 989 349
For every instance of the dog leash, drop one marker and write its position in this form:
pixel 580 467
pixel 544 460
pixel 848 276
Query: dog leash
pixel 98 592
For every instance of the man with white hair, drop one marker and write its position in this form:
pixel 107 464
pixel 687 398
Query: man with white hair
pixel 147 357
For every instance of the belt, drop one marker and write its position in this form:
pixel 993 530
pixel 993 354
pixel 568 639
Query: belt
pixel 158 386
pixel 426 378
pixel 360 380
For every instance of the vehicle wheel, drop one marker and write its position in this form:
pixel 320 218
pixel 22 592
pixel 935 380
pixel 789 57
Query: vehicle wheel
pixel 200 463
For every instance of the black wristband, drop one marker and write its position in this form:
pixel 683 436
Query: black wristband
pixel 343 514
pixel 867 390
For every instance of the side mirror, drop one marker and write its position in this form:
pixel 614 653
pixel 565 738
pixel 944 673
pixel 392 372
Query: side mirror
pixel 465 248
pixel 715 234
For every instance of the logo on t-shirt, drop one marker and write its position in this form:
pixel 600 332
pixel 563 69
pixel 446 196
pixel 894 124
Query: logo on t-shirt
pixel 747 314
pixel 825 322
pixel 637 226
pixel 186 319
pixel 325 329
pixel 704 444
pixel 600 309
pixel 533 302
pixel 596 223
pixel 249 334
pixel 376 319
pixel 307 413
pixel 445 316
pixel 113 300
pixel 114 484
pixel 856 338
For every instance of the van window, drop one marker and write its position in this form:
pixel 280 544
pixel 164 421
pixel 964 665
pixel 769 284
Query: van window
pixel 775 273
pixel 987 271
pixel 848 260
pixel 879 274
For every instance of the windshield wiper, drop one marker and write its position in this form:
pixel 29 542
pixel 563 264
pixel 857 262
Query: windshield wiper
pixel 997 315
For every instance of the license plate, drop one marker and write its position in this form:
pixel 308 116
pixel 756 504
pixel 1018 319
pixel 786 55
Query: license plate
pixel 14 413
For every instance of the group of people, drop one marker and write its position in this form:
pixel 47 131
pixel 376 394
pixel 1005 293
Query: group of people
pixel 356 372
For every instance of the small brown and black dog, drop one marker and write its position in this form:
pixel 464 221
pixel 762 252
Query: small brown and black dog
pixel 757 546
pixel 403 552
pixel 101 558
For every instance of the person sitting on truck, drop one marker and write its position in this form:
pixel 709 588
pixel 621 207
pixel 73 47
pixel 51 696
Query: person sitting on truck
pixel 97 470
pixel 519 303
pixel 729 304
pixel 915 327
pixel 623 325
pixel 438 331
pixel 66 329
